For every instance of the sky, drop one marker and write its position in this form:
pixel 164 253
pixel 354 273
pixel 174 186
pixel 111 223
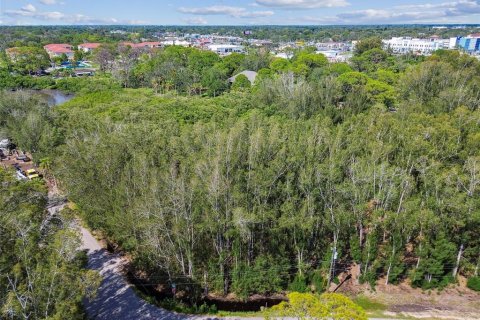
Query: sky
pixel 237 12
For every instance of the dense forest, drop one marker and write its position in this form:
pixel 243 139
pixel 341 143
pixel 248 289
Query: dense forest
pixel 314 169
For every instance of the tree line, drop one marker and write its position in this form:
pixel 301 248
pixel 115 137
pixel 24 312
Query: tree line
pixel 315 169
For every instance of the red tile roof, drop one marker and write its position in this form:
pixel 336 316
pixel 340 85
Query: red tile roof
pixel 148 44
pixel 59 48
pixel 90 45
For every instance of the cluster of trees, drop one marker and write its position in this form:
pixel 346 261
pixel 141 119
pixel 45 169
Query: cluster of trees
pixel 316 169
pixel 41 270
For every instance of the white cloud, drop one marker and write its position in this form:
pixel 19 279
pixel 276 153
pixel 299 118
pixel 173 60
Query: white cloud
pixel 49 2
pixel 196 21
pixel 303 4
pixel 29 8
pixel 417 13
pixel 236 12
pixel 29 11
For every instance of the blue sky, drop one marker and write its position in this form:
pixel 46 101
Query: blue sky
pixel 239 12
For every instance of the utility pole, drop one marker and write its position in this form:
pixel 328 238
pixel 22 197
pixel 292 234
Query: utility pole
pixel 332 266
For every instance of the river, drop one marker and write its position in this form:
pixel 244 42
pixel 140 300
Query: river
pixel 53 97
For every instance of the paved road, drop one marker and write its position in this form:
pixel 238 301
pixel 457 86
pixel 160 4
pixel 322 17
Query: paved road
pixel 116 299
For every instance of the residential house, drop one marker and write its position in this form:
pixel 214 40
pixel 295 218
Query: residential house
pixel 226 49
pixel 88 47
pixel 58 49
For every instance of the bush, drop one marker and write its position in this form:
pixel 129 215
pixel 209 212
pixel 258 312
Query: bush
pixel 474 283
pixel 263 277
pixel 326 306
pixel 318 282
pixel 299 284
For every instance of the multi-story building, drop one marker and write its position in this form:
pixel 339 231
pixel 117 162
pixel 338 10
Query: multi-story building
pixel 415 45
pixel 470 43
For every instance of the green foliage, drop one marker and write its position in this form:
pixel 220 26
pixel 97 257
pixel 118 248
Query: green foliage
pixel 280 65
pixel 474 283
pixel 42 275
pixel 298 284
pixel 319 283
pixel 432 272
pixel 326 306
pixel 241 83
pixel 29 60
pixel 263 277
pixel 367 44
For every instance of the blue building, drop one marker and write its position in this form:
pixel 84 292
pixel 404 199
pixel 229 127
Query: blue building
pixel 470 43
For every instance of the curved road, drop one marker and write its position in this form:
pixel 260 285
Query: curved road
pixel 115 298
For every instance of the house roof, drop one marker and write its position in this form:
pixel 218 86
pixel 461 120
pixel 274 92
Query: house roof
pixel 56 45
pixel 141 44
pixel 147 44
pixel 90 45
pixel 251 75
pixel 59 48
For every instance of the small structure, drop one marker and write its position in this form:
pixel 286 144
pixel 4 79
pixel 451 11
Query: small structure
pixel 88 47
pixel 58 49
pixel 251 76
pixel 149 45
pixel 181 43
pixel 226 49
pixel 141 45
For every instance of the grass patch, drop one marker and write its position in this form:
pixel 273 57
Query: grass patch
pixel 240 314
pixel 369 305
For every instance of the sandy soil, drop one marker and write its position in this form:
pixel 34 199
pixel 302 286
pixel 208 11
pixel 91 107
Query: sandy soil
pixel 455 302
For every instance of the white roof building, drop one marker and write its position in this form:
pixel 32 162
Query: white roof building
pixel 226 49
pixel 182 43
pixel 422 46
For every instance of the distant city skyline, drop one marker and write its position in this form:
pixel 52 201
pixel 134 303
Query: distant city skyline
pixel 239 12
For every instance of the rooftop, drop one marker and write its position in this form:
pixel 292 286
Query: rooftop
pixel 90 45
pixel 251 75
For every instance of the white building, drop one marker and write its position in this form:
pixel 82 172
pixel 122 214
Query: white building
pixel 415 45
pixel 226 49
pixel 176 42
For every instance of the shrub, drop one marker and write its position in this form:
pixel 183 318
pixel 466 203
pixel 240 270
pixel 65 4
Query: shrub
pixel 474 283
pixel 326 306
pixel 299 284
pixel 318 281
